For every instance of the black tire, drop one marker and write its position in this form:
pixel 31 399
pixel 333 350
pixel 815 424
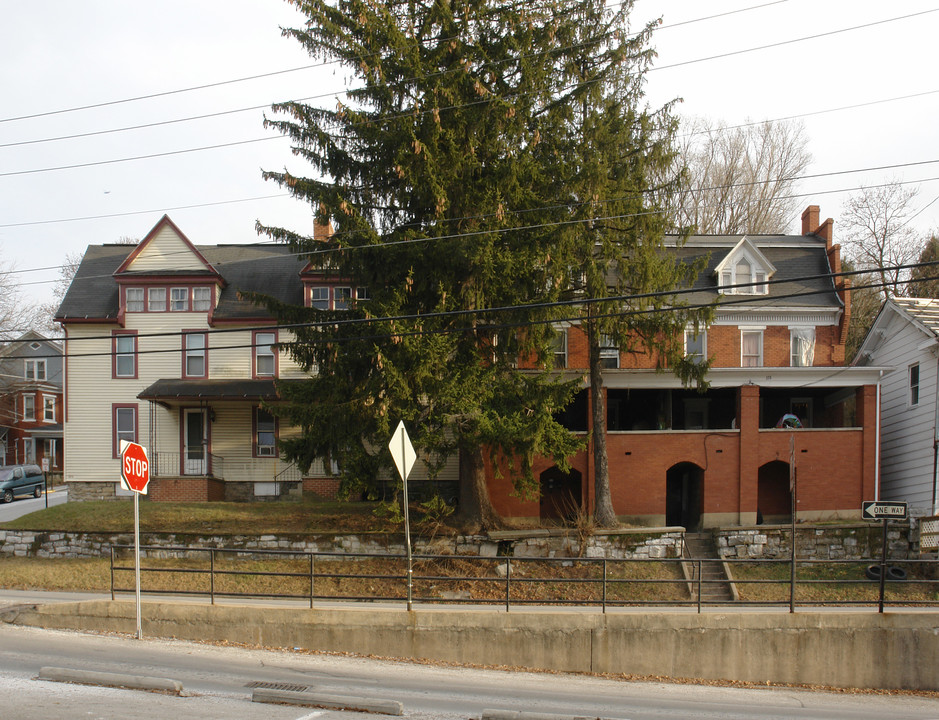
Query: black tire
pixel 872 572
pixel 37 491
pixel 896 573
pixel 7 496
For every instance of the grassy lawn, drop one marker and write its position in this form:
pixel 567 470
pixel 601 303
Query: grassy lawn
pixel 214 518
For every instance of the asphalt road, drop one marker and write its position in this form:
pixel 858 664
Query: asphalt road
pixel 25 505
pixel 217 684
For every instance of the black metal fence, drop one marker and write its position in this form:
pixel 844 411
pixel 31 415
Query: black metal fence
pixel 510 581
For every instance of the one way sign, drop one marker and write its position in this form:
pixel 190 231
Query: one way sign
pixel 873 510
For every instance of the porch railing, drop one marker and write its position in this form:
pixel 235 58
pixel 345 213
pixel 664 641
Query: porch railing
pixel 169 464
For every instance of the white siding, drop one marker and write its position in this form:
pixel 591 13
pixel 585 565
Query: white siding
pixel 907 431
pixel 166 251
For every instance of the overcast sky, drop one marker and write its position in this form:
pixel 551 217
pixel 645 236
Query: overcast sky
pixel 60 54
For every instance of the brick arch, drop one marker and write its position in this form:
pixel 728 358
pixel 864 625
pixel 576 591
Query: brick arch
pixel 774 499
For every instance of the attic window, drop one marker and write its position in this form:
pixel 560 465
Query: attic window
pixel 743 273
pixel 744 270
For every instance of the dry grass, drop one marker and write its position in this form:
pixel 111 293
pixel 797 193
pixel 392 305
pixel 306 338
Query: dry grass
pixel 215 517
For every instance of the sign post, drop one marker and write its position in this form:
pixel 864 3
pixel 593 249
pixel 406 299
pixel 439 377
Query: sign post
pixel 886 511
pixel 402 451
pixel 135 476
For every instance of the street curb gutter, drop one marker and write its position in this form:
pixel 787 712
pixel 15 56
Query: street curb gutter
pixel 521 715
pixel 134 682
pixel 339 702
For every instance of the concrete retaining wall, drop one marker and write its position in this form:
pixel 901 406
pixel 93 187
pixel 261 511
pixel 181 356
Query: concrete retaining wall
pixel 859 541
pixel 889 651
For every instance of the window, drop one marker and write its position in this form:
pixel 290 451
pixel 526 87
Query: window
pixel 802 346
pixel 696 345
pixel 362 293
pixel 134 299
pixel 156 300
pixel 559 348
pixel 48 451
pixel 265 433
pixel 124 426
pixel 194 355
pixel 48 409
pixel 201 299
pixel 914 384
pixel 319 298
pixel 341 296
pixel 751 348
pixel 29 407
pixel 125 355
pixel 745 272
pixel 609 353
pixel 35 370
pixel 29 450
pixel 265 357
pixel 179 299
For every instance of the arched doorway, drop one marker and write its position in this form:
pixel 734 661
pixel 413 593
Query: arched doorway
pixel 560 494
pixel 683 496
pixel 773 497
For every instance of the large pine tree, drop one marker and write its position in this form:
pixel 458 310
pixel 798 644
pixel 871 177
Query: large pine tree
pixel 453 178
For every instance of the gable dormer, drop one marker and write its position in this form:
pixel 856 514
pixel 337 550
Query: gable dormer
pixel 744 265
pixel 167 273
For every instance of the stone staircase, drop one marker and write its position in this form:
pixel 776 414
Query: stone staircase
pixel 716 587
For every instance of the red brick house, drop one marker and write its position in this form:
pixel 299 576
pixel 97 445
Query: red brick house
pixel 777 348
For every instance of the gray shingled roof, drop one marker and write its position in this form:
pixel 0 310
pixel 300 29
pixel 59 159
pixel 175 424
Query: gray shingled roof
pixel 796 259
pixel 924 310
pixel 268 269
pixel 272 270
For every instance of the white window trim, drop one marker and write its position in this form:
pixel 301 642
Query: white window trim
pixel 801 331
pixel 154 303
pixel 27 415
pixel 142 300
pixel 755 329
pixel 48 402
pixel 185 291
pixel 911 386
pixel 337 301
pixel 560 350
pixel 701 333
pixel 36 365
pixel 207 300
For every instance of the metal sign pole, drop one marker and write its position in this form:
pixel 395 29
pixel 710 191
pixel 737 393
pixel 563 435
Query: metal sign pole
pixel 407 523
pixel 883 567
pixel 137 558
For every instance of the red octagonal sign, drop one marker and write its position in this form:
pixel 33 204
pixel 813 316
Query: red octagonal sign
pixel 135 467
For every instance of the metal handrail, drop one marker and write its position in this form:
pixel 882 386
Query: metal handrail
pixel 600 586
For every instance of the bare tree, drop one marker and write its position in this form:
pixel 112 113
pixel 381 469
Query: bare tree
pixel 877 235
pixel 16 315
pixel 740 179
pixel 924 278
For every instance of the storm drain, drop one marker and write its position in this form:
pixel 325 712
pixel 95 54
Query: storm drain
pixel 289 687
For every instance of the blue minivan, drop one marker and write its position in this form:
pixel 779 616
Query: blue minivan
pixel 20 480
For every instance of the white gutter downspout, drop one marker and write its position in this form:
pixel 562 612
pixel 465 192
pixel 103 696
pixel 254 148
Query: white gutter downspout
pixel 935 441
pixel 877 442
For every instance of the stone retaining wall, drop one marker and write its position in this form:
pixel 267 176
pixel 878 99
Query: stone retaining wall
pixel 836 542
pixel 842 542
pixel 631 545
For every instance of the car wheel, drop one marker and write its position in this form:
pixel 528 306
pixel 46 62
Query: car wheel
pixel 37 491
pixel 8 496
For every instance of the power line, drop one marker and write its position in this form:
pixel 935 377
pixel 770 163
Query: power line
pixel 726 301
pixel 487 100
pixel 233 81
pixel 502 231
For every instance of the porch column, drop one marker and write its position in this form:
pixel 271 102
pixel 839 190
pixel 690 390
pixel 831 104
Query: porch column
pixel 748 417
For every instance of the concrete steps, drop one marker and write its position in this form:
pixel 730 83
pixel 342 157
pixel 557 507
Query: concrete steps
pixel 715 586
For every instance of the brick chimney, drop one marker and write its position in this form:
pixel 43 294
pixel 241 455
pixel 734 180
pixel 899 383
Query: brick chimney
pixel 810 219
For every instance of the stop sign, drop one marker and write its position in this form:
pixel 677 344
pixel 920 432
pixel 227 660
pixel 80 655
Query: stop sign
pixel 135 467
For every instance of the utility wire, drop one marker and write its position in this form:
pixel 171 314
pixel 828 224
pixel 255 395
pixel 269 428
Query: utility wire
pixel 487 100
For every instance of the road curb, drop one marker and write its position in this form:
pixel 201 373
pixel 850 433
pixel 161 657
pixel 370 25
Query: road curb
pixel 521 715
pixel 339 702
pixel 120 680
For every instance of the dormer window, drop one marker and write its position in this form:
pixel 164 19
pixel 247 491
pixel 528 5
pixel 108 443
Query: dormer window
pixel 744 266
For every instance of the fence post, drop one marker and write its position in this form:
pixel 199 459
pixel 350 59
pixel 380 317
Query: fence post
pixel 112 573
pixel 698 571
pixel 508 579
pixel 311 581
pixel 212 575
